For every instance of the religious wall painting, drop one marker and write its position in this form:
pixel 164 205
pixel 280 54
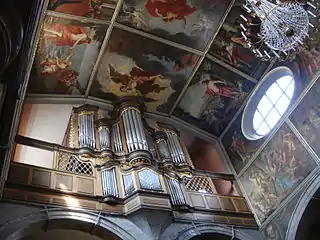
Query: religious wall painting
pixel 276 172
pixel 306 117
pixel 189 22
pixel 213 97
pixel 98 9
pixel 136 66
pixel 66 54
pixel 239 149
pixel 277 228
pixel 229 45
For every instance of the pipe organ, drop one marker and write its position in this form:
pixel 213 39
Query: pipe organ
pixel 127 153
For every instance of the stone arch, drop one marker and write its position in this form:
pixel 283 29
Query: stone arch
pixel 301 206
pixel 184 231
pixel 62 218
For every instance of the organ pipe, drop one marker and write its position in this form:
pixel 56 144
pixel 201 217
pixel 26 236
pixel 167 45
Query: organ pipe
pixel 117 138
pixel 134 130
pixel 109 182
pixel 175 148
pixel 163 149
pixel 104 137
pixel 128 182
pixel 175 192
pixel 86 130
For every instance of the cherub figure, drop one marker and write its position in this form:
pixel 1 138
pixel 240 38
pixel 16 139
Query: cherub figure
pixel 53 65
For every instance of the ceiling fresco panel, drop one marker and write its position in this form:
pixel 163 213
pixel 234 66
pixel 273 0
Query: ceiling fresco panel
pixel 239 149
pixel 230 47
pixel 276 172
pixel 188 22
pixel 305 61
pixel 306 117
pixel 213 97
pixel 66 54
pixel 98 9
pixel 133 65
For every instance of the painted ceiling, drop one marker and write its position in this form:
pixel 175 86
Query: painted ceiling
pixel 184 58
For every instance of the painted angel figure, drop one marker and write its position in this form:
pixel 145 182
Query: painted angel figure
pixel 169 10
pixel 53 65
pixel 135 15
pixel 62 35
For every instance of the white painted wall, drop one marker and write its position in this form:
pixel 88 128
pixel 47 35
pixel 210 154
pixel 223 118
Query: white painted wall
pixel 47 122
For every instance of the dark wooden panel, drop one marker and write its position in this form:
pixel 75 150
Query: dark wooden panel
pixel 18 174
pixel 41 178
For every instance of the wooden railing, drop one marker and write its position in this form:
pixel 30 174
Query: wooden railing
pixel 200 190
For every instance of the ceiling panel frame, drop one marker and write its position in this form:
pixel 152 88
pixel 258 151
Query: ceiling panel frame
pixel 103 46
pixel 77 18
pixel 158 39
pixel 206 50
pixel 231 68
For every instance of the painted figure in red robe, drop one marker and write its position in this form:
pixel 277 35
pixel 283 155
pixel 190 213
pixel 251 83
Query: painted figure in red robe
pixel 214 88
pixel 169 10
pixel 62 35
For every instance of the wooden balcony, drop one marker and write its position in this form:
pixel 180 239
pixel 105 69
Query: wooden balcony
pixel 33 184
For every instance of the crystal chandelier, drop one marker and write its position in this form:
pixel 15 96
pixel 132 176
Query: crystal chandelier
pixel 275 28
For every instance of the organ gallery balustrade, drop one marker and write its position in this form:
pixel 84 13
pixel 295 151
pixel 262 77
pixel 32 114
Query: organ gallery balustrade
pixel 119 160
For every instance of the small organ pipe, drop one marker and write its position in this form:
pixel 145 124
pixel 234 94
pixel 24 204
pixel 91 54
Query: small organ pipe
pixel 115 141
pixel 141 130
pixel 172 148
pixel 119 137
pixel 179 149
pixel 143 135
pixel 125 124
pixel 137 129
pixel 133 130
pixel 128 130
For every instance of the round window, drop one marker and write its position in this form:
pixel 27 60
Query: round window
pixel 268 103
